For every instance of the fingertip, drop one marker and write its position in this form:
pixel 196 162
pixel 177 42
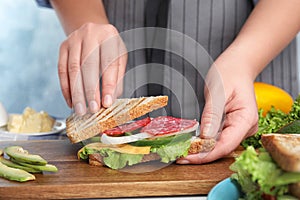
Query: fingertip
pixel 107 101
pixel 79 109
pixel 183 162
pixel 198 158
pixel 93 106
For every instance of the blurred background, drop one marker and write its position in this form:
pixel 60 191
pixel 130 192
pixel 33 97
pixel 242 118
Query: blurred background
pixel 30 37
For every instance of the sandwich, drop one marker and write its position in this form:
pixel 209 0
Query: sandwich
pixel 272 172
pixel 162 139
pixel 285 151
pixel 124 141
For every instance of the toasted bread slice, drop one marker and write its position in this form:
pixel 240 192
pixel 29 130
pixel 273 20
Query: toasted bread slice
pixel 80 128
pixel 284 149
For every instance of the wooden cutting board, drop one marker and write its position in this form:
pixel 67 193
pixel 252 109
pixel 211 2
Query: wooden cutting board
pixel 77 179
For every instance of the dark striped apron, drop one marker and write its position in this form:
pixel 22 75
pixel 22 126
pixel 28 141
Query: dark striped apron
pixel 212 23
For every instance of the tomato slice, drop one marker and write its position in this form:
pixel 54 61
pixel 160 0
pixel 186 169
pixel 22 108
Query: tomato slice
pixel 120 130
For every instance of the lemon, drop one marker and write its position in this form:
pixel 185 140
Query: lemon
pixel 269 95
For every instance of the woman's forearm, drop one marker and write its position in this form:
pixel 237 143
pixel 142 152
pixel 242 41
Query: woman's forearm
pixel 74 13
pixel 271 27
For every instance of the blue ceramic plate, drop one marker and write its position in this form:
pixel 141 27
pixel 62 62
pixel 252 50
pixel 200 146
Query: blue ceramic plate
pixel 225 189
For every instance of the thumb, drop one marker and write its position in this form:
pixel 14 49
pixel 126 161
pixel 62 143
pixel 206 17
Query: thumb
pixel 213 113
pixel 212 120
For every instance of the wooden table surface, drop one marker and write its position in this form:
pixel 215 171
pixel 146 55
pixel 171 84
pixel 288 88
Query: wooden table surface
pixel 77 179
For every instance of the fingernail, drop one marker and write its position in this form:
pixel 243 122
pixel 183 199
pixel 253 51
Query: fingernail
pixel 183 162
pixel 107 101
pixel 79 109
pixel 93 106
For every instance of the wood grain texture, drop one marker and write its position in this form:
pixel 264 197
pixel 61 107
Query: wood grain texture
pixel 77 179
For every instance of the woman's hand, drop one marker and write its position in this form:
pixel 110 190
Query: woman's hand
pixel 89 53
pixel 230 81
pixel 93 50
pixel 230 97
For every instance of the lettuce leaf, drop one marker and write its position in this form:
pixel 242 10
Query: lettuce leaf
pixel 258 174
pixel 272 122
pixel 173 150
pixel 111 158
pixel 85 152
pixel 116 160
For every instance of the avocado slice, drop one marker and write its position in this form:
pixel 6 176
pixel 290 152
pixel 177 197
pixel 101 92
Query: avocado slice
pixel 46 168
pixel 19 154
pixel 14 165
pixel 15 174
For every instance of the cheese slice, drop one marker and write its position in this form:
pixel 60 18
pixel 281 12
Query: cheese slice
pixel 124 148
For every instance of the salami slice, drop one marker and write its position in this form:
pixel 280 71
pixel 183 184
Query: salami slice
pixel 166 125
pixel 120 130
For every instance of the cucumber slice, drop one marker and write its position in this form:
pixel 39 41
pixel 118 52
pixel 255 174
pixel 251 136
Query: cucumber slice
pixel 157 142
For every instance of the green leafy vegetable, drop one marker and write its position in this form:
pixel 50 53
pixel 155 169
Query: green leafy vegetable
pixel 111 158
pixel 173 150
pixel 272 122
pixel 259 175
pixel 85 152
pixel 293 127
pixel 116 160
